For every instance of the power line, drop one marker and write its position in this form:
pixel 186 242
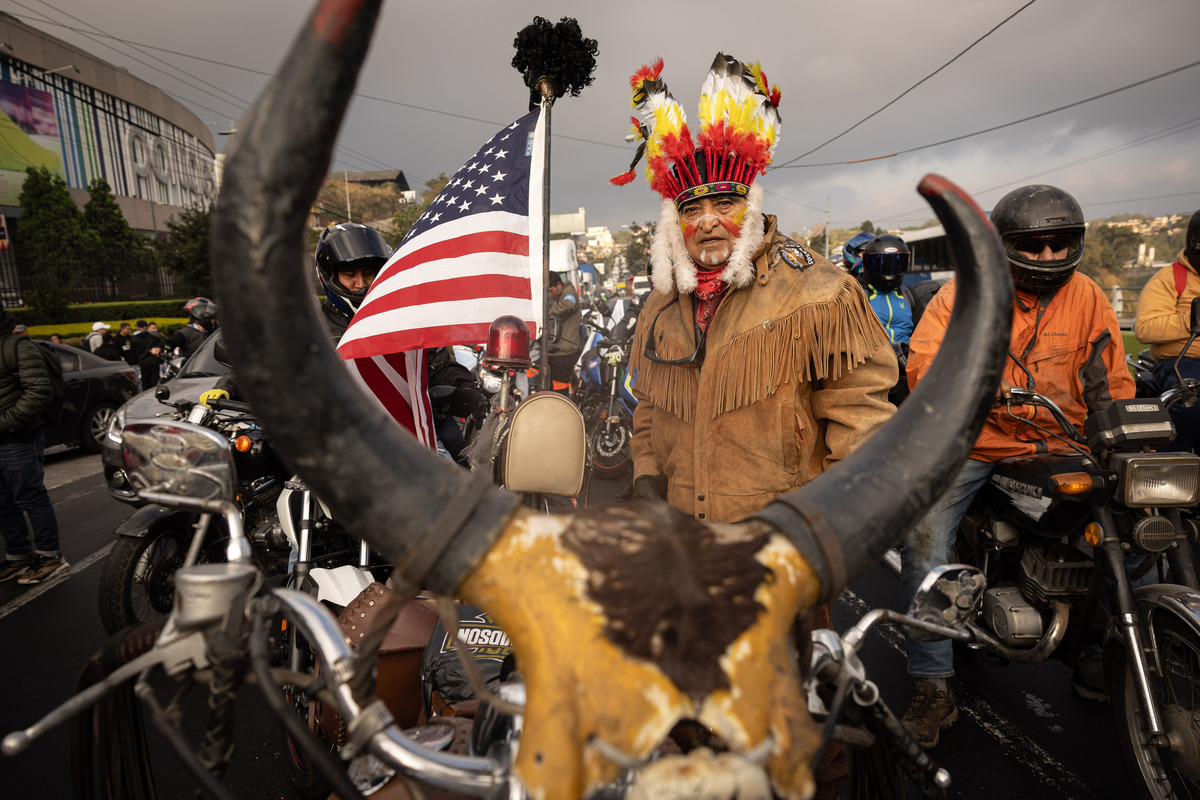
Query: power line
pixel 363 159
pixel 1170 130
pixel 1004 125
pixel 386 100
pixel 909 89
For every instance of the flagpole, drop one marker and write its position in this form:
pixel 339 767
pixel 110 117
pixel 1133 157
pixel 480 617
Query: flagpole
pixel 547 90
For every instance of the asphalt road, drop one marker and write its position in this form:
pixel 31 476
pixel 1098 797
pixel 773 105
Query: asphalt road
pixel 1022 734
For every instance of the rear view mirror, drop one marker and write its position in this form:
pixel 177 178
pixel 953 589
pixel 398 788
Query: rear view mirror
pixel 179 459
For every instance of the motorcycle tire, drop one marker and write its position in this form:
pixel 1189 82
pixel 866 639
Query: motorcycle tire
pixel 309 783
pixel 610 449
pixel 1158 774
pixel 138 581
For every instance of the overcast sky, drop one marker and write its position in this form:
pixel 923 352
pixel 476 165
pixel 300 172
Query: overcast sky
pixel 836 61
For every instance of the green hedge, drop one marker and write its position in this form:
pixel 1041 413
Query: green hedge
pixel 130 310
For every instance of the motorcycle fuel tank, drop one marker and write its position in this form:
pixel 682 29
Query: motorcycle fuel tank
pixel 1021 490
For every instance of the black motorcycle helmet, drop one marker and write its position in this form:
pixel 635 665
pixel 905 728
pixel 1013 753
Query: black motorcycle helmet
pixel 885 259
pixel 348 245
pixel 1036 217
pixel 1191 246
pixel 203 312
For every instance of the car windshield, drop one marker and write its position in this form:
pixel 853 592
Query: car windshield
pixel 203 364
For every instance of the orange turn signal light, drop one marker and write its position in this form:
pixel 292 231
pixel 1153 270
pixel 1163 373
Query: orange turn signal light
pixel 1092 534
pixel 1073 483
pixel 243 444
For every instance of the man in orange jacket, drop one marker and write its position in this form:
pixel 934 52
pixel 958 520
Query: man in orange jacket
pixel 1065 343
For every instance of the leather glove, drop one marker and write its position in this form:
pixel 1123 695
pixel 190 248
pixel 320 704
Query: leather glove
pixel 650 487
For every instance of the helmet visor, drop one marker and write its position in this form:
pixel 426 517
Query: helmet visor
pixel 886 264
pixel 1046 249
pixel 352 245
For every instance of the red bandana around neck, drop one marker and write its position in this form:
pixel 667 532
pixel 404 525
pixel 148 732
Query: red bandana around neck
pixel 709 291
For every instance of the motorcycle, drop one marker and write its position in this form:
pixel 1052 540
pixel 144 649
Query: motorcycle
pixel 1026 531
pixel 291 533
pixel 606 398
pixel 225 613
pixel 535 446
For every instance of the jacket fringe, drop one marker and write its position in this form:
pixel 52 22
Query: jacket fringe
pixel 805 345
pixel 674 388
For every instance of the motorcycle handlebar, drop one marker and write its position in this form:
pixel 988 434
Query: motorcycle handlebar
pixel 224 404
pixel 1028 397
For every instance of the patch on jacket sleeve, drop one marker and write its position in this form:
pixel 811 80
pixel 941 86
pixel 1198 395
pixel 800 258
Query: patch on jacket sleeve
pixel 794 255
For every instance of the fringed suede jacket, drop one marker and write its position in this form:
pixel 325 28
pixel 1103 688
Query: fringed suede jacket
pixel 794 375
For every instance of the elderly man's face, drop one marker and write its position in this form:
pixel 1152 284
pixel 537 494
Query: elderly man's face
pixel 710 227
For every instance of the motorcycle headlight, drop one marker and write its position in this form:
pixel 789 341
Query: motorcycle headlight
pixel 116 425
pixel 1158 479
pixel 490 382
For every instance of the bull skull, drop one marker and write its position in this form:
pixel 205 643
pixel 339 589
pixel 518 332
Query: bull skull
pixel 607 677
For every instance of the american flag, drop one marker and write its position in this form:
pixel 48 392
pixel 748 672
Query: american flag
pixel 464 263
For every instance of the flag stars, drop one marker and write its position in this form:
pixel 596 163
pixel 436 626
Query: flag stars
pixel 496 199
pixel 501 153
pixel 474 165
pixel 489 151
pixel 499 176
pixel 434 218
pixel 464 205
pixel 481 190
pixel 468 185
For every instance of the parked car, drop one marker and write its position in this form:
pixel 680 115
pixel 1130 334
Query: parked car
pixel 95 389
pixel 197 375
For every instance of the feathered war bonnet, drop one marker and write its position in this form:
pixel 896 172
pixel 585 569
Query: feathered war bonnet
pixel 739 128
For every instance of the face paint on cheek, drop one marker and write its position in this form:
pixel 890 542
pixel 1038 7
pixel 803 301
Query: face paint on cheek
pixel 689 230
pixel 732 225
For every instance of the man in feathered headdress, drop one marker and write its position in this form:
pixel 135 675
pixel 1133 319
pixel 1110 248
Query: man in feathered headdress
pixel 757 363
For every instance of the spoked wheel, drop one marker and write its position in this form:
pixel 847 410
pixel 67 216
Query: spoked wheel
pixel 610 447
pixel 309 783
pixel 1174 667
pixel 138 581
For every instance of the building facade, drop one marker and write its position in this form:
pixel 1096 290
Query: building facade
pixel 83 118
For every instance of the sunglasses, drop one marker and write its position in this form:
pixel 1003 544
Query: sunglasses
pixel 697 356
pixel 1036 244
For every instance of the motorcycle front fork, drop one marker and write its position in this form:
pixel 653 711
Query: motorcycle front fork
pixel 1182 572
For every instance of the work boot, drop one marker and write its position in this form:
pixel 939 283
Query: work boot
pixel 1089 681
pixel 931 712
pixel 12 567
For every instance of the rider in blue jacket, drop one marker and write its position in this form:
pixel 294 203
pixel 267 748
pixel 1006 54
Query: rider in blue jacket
pixel 885 259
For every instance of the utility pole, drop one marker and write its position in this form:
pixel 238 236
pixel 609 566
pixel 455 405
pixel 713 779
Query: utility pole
pixel 826 227
pixel 346 180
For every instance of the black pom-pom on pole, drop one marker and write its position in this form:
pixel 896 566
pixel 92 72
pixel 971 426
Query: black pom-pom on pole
pixel 553 59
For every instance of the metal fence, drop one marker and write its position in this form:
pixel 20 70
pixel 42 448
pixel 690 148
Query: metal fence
pixel 104 275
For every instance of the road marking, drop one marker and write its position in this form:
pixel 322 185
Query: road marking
pixel 1050 771
pixel 40 589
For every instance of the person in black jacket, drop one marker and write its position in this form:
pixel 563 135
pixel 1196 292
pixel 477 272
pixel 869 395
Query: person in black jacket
pixel 25 394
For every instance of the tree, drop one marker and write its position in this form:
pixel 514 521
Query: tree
pixel 1106 252
pixel 120 251
pixel 637 252
pixel 49 238
pixel 185 252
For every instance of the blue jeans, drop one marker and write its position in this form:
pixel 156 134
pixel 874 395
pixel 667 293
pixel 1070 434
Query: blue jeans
pixel 22 493
pixel 1187 420
pixel 928 546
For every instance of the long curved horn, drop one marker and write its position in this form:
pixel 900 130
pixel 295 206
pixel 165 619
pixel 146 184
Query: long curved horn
pixel 419 510
pixel 895 476
pixel 422 512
